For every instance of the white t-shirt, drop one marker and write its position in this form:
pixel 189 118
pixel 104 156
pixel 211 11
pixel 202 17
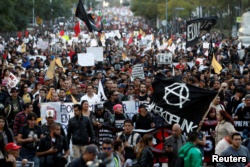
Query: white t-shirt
pixel 221 146
pixel 94 99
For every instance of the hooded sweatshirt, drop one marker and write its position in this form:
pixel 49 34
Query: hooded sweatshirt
pixel 193 158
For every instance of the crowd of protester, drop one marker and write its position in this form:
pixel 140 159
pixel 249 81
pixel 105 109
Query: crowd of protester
pixel 24 139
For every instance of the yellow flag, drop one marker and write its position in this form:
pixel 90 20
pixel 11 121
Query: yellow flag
pixel 23 46
pixel 66 37
pixel 124 57
pixel 49 95
pixel 51 69
pixel 141 32
pixel 39 119
pixel 74 100
pixel 216 65
pixel 59 63
pixel 170 42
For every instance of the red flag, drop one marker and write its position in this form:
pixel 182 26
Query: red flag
pixel 139 36
pixel 77 29
pixel 130 40
pixel 26 33
pixel 19 34
pixel 62 33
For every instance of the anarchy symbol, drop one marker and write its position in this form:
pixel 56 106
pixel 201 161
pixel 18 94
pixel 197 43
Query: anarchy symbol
pixel 173 89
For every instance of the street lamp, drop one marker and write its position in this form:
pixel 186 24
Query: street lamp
pixel 166 18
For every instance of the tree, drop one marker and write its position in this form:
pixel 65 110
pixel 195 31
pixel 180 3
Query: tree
pixel 22 14
pixel 6 13
pixel 57 8
pixel 145 8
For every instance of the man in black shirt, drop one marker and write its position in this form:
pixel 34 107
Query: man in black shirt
pixel 51 147
pixel 142 96
pixel 143 119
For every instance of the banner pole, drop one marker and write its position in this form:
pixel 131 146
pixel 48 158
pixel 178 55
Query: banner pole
pixel 206 113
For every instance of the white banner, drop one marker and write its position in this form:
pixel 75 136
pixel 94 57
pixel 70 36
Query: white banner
pixel 86 59
pixel 64 111
pixel 164 58
pixel 12 80
pixel 137 71
pixel 42 44
pixel 97 52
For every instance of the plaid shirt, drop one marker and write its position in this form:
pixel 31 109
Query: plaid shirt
pixel 19 122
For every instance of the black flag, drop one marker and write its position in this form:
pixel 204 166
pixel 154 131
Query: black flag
pixel 82 14
pixel 195 26
pixel 181 103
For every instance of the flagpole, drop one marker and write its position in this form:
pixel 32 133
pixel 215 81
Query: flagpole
pixel 206 113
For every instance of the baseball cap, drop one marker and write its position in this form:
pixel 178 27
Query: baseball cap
pixel 92 149
pixel 247 96
pixel 122 85
pixel 98 106
pixel 12 146
pixel 50 113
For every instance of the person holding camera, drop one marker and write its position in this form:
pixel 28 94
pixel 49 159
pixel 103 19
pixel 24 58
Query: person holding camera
pixel 53 149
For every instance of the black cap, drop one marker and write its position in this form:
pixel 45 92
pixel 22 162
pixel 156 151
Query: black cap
pixel 14 89
pixel 98 107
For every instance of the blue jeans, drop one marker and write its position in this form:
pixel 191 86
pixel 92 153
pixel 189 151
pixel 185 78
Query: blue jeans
pixel 30 156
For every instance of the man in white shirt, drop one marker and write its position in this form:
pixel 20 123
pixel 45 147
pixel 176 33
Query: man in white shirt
pixel 91 97
pixel 223 144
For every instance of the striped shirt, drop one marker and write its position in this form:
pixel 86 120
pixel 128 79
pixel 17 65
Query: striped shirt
pixel 19 122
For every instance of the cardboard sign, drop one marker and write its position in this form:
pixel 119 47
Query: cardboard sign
pixel 86 59
pixel 42 44
pixel 164 58
pixel 97 52
pixel 12 80
pixel 137 71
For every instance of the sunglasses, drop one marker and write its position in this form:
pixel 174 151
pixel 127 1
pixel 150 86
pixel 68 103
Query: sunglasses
pixel 115 95
pixel 106 148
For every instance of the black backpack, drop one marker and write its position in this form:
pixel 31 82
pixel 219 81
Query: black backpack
pixel 180 160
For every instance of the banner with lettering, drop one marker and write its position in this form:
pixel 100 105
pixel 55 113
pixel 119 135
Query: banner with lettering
pixel 64 111
pixel 195 26
pixel 179 102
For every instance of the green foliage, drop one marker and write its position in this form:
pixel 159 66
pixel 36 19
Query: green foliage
pixel 16 14
pixel 58 8
pixel 157 8
pixel 146 8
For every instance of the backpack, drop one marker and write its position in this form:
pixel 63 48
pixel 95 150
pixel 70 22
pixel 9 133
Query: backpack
pixel 180 160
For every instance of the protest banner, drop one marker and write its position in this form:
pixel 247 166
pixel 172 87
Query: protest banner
pixel 12 80
pixel 137 71
pixel 97 52
pixel 194 27
pixel 86 59
pixel 64 111
pixel 174 101
pixel 164 58
pixel 42 44
pixel 205 45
